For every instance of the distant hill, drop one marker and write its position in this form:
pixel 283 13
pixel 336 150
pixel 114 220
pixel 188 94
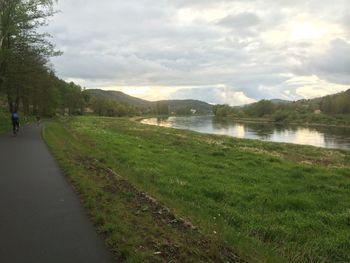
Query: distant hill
pixel 330 110
pixel 338 103
pixel 330 99
pixel 335 99
pixel 120 97
pixel 174 105
pixel 279 101
pixel 200 106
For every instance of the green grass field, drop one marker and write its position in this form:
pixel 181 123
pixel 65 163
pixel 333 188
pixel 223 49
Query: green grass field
pixel 269 202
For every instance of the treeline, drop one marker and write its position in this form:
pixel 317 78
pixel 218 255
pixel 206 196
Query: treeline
pixel 111 108
pixel 27 81
pixel 336 104
pixel 323 109
pixel 24 52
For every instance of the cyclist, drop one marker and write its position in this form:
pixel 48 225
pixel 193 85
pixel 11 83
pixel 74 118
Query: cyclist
pixel 15 122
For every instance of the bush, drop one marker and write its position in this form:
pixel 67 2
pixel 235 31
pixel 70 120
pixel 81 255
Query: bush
pixel 281 116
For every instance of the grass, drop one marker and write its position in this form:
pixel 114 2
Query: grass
pixel 270 202
pixel 5 119
pixel 5 124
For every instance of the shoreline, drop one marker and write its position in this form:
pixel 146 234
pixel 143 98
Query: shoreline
pixel 243 120
pixel 284 123
pixel 141 119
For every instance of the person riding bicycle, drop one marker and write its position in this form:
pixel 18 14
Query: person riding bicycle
pixel 15 122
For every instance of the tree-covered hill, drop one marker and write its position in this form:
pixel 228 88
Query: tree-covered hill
pixel 119 97
pixel 182 106
pixel 332 109
pixel 179 107
pixel 279 101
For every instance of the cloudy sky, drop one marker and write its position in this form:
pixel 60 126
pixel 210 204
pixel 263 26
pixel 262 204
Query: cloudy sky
pixel 219 51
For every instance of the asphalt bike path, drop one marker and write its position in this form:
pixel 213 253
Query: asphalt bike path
pixel 41 219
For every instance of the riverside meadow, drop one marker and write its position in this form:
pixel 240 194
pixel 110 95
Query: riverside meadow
pixel 271 202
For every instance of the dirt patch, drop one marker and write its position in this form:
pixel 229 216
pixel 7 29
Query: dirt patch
pixel 186 241
pixel 261 151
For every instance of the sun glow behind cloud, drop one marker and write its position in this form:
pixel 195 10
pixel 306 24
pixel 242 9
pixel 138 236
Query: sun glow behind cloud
pixel 220 51
pixel 307 31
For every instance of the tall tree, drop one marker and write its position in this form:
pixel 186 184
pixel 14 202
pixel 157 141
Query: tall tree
pixel 21 44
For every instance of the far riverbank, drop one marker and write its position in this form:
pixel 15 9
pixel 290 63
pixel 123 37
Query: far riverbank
pixel 264 120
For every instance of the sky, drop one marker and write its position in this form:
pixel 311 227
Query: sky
pixel 220 51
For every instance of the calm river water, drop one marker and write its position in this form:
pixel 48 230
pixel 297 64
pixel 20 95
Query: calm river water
pixel 326 137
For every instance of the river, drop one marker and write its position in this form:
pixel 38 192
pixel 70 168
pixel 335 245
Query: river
pixel 320 136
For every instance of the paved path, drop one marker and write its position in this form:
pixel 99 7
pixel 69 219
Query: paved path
pixel 41 219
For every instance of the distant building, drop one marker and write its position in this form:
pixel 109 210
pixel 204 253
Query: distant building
pixel 193 111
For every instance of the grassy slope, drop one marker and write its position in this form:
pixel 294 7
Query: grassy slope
pixel 135 227
pixel 265 199
pixel 5 123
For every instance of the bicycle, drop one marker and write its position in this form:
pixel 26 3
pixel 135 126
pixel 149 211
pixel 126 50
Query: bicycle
pixel 15 128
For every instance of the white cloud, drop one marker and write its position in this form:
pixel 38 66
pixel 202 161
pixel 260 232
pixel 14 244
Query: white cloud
pixel 219 94
pixel 312 87
pixel 221 51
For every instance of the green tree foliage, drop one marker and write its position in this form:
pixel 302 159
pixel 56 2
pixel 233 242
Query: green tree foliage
pixel 223 110
pixel 183 111
pixel 72 97
pixel 26 80
pixel 260 109
pixel 319 110
pixel 110 108
pixel 25 77
pixel 161 108
pixel 280 116
pixel 336 104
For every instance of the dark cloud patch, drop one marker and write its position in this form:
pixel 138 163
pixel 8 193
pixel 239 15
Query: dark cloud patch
pixel 336 59
pixel 242 20
pixel 333 64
